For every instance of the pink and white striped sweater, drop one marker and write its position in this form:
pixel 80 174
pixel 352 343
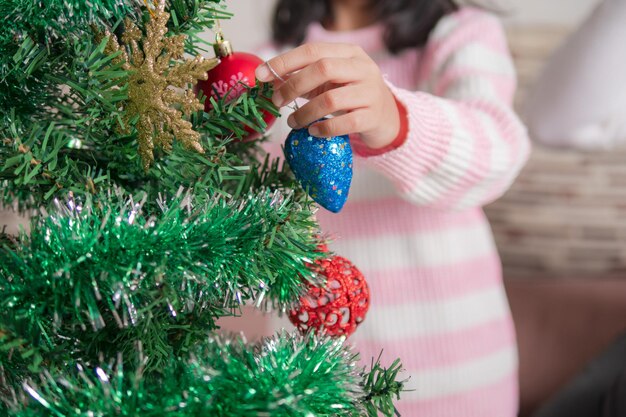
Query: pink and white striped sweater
pixel 414 224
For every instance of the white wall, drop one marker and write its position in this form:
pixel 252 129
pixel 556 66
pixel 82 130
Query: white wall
pixel 250 25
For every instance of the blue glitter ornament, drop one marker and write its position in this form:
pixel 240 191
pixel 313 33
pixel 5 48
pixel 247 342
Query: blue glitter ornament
pixel 322 165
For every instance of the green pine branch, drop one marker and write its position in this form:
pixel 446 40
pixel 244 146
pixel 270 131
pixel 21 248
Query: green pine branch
pixel 193 18
pixel 41 161
pixel 36 41
pixel 18 360
pixel 382 387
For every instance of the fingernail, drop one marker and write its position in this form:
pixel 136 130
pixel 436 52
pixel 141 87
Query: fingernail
pixel 291 121
pixel 277 99
pixel 263 73
pixel 314 131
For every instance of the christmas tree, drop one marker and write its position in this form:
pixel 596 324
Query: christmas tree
pixel 153 214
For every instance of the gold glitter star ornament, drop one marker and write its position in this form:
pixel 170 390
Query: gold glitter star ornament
pixel 158 93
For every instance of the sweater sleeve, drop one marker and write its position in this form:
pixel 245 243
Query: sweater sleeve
pixel 465 145
pixel 579 99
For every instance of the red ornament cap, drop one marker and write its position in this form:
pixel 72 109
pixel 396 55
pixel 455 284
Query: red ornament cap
pixel 222 47
pixel 340 306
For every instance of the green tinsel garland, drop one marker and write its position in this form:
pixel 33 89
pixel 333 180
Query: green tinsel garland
pixel 283 376
pixel 108 275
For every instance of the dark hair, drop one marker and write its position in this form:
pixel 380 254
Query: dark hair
pixel 408 22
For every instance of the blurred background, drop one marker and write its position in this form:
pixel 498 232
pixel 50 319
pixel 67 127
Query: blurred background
pixel 255 15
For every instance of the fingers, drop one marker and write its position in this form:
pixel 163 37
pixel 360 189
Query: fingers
pixel 338 79
pixel 326 70
pixel 346 98
pixel 302 56
pixel 353 122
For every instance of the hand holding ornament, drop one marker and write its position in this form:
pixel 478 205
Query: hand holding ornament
pixel 337 79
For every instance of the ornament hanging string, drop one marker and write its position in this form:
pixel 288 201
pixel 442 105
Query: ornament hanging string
pixel 219 32
pixel 281 79
pixel 155 3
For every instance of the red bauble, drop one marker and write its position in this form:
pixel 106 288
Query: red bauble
pixel 226 78
pixel 340 306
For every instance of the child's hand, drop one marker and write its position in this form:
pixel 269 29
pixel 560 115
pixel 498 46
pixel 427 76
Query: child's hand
pixel 336 78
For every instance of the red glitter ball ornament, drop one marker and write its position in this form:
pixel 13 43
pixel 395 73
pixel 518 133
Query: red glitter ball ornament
pixel 228 78
pixel 340 306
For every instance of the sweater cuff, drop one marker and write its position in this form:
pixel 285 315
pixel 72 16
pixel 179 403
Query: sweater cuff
pixel 364 151
pixel 426 142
